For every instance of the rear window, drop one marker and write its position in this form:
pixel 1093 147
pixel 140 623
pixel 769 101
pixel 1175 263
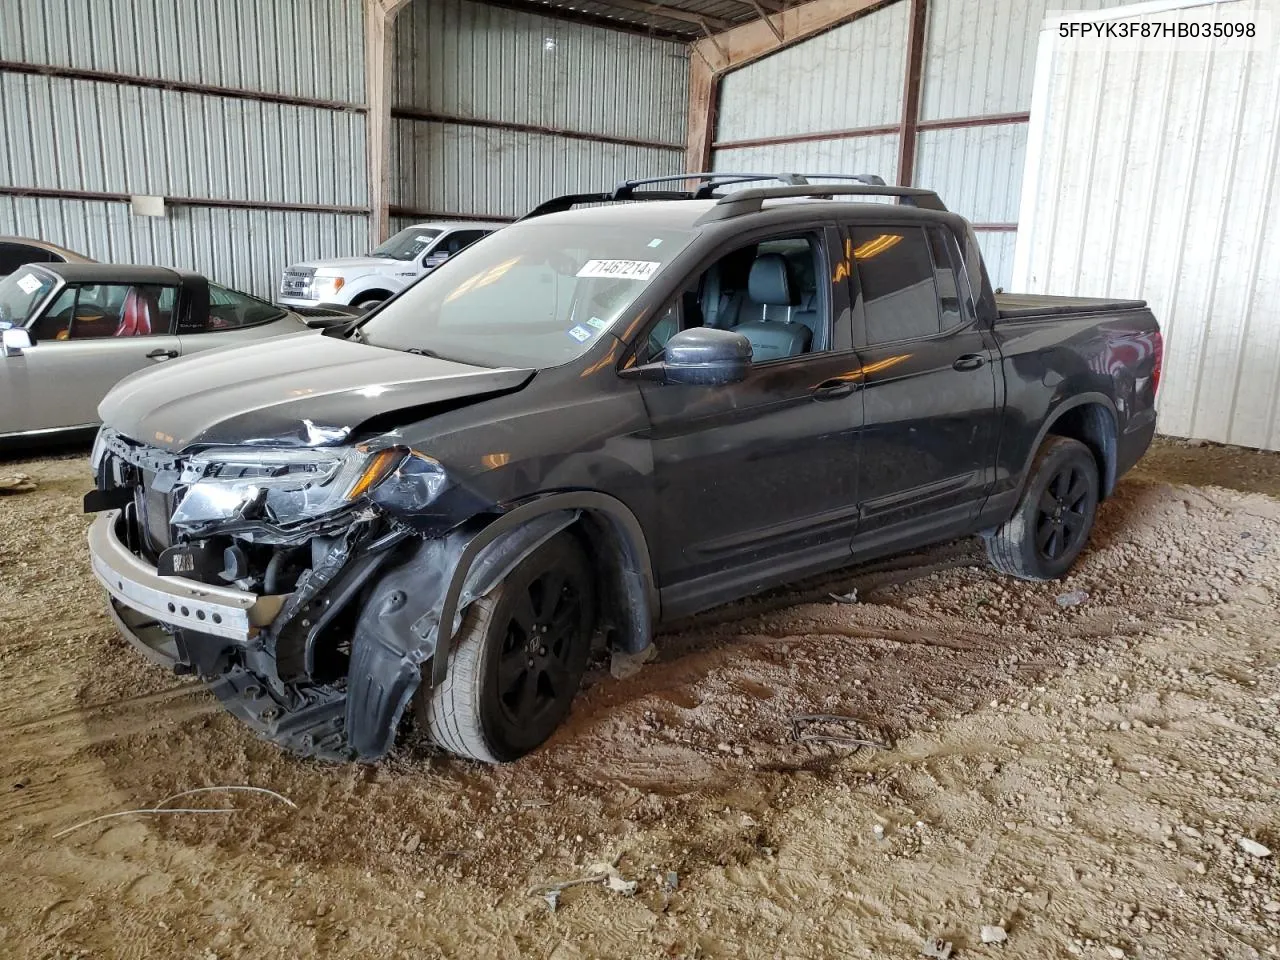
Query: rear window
pixel 230 309
pixel 15 255
pixel 896 281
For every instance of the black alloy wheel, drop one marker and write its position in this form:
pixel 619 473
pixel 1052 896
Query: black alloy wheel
pixel 1053 518
pixel 518 658
pixel 1062 520
pixel 535 667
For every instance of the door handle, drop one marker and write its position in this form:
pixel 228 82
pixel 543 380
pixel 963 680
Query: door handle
pixel 162 354
pixel 970 361
pixel 833 389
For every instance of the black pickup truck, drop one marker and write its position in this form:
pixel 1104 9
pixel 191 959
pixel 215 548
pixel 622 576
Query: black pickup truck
pixel 608 415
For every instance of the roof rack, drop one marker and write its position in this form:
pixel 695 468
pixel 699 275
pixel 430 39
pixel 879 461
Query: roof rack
pixel 707 184
pixel 749 201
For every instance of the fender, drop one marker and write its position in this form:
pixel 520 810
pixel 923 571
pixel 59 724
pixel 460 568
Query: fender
pixel 373 281
pixel 1055 414
pixel 434 581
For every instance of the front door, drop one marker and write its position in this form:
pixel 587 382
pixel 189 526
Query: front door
pixel 757 481
pixel 88 339
pixel 929 388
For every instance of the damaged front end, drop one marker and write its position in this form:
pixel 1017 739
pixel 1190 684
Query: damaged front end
pixel 305 586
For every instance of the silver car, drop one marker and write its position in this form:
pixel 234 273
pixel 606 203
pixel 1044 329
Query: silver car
pixel 70 331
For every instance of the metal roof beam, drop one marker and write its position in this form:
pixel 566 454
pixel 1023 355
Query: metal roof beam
pixel 668 13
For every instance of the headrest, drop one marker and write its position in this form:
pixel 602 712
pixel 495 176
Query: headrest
pixel 770 281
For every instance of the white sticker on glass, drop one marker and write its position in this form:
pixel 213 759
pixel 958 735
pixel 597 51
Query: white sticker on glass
pixel 620 269
pixel 29 283
pixel 580 333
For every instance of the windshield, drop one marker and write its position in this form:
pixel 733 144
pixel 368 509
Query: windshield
pixel 535 294
pixel 20 294
pixel 407 244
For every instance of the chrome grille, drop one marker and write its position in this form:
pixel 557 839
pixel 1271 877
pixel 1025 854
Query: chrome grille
pixel 296 283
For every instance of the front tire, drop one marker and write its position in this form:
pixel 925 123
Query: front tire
pixel 1048 530
pixel 518 659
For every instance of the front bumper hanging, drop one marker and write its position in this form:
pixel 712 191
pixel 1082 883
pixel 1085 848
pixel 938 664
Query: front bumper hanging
pixel 206 608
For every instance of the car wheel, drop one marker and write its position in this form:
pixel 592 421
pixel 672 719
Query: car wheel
pixel 517 661
pixel 368 301
pixel 1053 519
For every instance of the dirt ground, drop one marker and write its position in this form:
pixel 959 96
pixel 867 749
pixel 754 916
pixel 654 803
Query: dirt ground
pixel 1080 775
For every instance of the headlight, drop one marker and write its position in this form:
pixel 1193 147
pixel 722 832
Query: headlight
pixel 284 486
pixel 325 287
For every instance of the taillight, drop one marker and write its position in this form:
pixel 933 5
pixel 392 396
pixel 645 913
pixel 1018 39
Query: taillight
pixel 1157 363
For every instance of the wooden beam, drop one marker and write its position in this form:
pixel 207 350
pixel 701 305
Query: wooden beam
pixel 907 133
pixel 379 21
pixel 702 106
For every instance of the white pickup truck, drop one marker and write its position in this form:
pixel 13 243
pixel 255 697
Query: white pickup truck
pixel 365 281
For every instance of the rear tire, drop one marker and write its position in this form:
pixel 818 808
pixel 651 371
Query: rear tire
pixel 518 659
pixel 1051 525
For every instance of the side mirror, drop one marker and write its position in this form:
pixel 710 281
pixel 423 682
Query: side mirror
pixel 15 340
pixel 703 356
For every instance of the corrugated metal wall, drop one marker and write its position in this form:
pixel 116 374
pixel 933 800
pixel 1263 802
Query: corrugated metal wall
pixel 1158 176
pixel 976 90
pixel 496 109
pixel 258 119
pixel 846 79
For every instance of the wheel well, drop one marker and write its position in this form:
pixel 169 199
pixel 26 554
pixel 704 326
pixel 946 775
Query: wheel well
pixel 1093 425
pixel 624 595
pixel 367 295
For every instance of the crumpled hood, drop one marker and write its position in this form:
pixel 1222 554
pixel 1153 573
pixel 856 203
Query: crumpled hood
pixel 354 265
pixel 302 390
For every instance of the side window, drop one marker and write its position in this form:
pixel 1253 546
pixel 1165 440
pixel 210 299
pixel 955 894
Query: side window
pixel 229 309
pixel 460 240
pixel 950 289
pixel 99 310
pixel 767 291
pixel 897 287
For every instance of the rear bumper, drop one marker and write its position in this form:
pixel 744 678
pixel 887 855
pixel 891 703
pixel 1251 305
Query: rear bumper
pixel 205 608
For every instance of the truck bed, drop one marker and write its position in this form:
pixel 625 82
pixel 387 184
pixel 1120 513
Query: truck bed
pixel 1018 306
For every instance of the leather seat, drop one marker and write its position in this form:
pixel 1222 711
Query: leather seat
pixel 771 285
pixel 140 306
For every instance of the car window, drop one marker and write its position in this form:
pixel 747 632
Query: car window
pixel 85 311
pixel 407 244
pixel 945 260
pixel 896 282
pixel 14 255
pixel 767 291
pixel 460 240
pixel 230 309
pixel 21 293
pixel 535 294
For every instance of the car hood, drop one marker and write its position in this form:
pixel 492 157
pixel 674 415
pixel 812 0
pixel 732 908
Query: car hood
pixel 303 390
pixel 348 264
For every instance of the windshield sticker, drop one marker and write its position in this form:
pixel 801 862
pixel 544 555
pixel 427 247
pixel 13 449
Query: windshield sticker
pixel 655 242
pixel 29 283
pixel 580 333
pixel 597 323
pixel 620 269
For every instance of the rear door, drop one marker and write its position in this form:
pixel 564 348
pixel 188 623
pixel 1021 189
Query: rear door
pixel 89 338
pixel 929 386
